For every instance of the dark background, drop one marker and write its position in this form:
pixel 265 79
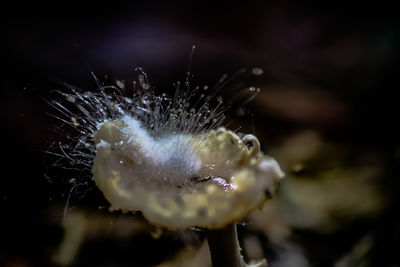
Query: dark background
pixel 346 53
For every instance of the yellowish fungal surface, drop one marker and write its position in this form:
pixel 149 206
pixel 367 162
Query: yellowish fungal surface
pixel 180 180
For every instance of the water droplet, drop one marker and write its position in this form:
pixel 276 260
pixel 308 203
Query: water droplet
pixel 70 99
pixel 141 78
pixel 257 71
pixel 128 100
pixel 241 111
pixel 120 84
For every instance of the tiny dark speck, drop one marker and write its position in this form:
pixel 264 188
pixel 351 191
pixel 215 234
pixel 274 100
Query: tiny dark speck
pixel 198 179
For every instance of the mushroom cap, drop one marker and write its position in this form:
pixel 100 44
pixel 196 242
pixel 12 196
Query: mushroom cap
pixel 180 180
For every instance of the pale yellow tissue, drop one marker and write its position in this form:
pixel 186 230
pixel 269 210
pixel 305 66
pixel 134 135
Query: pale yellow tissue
pixel 233 178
